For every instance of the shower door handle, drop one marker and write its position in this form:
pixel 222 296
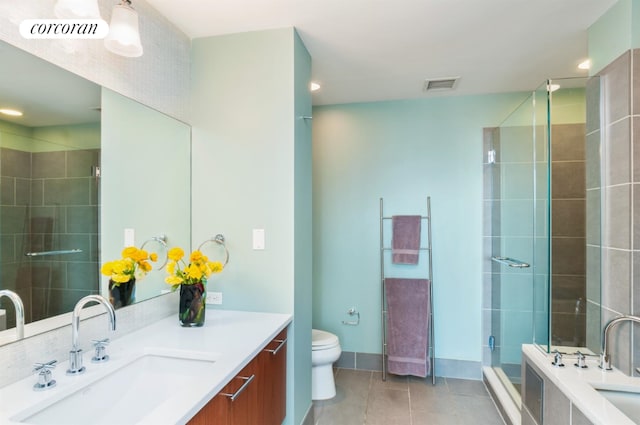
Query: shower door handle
pixel 510 262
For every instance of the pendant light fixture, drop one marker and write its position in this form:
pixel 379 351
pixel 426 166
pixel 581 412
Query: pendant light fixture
pixel 77 9
pixel 124 37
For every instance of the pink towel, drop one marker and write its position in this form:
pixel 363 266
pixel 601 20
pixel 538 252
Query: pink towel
pixel 405 239
pixel 408 325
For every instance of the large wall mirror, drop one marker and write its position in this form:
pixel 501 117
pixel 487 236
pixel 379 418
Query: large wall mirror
pixel 81 165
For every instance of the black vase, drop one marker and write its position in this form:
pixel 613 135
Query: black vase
pixel 122 294
pixel 192 305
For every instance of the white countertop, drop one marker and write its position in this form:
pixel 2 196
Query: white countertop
pixel 577 384
pixel 232 337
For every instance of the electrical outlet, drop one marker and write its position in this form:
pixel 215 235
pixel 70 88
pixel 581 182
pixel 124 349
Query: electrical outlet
pixel 214 298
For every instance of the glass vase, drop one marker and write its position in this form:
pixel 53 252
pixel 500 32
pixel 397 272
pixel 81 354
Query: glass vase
pixel 122 294
pixel 192 305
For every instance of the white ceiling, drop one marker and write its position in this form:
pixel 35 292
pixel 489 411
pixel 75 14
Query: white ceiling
pixel 370 50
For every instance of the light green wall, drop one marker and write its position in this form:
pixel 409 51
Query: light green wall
pixel 303 238
pixel 402 151
pixel 251 169
pixel 615 32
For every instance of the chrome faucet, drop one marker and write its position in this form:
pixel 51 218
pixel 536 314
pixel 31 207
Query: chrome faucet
pixel 75 355
pixel 605 356
pixel 19 307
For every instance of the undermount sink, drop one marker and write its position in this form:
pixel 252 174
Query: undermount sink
pixel 126 395
pixel 627 400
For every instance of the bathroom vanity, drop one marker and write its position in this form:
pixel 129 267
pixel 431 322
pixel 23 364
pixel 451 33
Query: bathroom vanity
pixel 224 372
pixel 570 395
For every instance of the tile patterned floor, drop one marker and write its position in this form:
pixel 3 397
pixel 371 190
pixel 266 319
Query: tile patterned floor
pixel 362 398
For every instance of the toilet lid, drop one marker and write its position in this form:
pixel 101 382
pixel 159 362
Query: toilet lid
pixel 321 338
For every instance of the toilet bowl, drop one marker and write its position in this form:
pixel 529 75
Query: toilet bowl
pixel 325 350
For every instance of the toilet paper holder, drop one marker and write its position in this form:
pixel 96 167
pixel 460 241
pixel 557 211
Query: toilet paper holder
pixel 352 312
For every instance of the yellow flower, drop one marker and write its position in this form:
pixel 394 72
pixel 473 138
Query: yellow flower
pixel 195 256
pixel 175 254
pixel 107 268
pixel 130 252
pixel 193 272
pixel 173 280
pixel 133 265
pixel 215 266
pixel 171 267
pixel 197 271
pixel 145 266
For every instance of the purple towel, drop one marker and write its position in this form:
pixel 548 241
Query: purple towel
pixel 405 240
pixel 408 321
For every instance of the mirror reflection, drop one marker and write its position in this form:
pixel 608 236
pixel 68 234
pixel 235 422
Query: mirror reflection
pixel 49 193
pixel 81 166
pixel 145 183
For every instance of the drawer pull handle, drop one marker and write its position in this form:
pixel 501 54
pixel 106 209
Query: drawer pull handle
pixel 247 381
pixel 275 351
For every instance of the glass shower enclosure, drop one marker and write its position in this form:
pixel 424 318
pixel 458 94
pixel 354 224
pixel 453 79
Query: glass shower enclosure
pixel 541 201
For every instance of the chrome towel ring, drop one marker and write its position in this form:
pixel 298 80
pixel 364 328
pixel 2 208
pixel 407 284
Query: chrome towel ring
pixel 219 239
pixel 162 240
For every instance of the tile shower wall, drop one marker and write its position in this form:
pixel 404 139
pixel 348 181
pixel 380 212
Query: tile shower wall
pixel 49 202
pixel 621 220
pixel 568 265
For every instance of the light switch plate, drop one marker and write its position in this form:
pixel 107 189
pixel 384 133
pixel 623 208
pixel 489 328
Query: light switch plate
pixel 129 237
pixel 258 238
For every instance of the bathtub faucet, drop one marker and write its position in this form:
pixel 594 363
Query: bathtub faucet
pixel 605 356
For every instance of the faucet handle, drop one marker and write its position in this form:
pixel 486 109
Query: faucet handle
pixel 581 361
pixel 557 359
pixel 45 377
pixel 101 350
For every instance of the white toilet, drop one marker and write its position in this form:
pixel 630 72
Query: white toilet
pixel 325 350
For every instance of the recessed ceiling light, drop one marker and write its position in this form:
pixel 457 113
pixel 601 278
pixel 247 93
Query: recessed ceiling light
pixel 585 64
pixel 314 86
pixel 11 112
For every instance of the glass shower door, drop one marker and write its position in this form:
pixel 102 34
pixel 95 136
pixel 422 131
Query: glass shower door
pixel 520 249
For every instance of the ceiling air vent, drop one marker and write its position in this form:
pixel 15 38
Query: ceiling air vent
pixel 437 84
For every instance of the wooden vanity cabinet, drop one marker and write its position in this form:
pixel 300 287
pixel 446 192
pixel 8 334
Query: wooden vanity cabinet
pixel 236 403
pixel 257 395
pixel 273 383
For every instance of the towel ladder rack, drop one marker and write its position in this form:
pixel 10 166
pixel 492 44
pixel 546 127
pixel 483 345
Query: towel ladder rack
pixel 428 249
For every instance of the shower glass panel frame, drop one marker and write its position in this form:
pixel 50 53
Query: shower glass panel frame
pixel 545 232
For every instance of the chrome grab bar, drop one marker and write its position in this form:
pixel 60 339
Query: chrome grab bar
pixel 61 251
pixel 510 262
